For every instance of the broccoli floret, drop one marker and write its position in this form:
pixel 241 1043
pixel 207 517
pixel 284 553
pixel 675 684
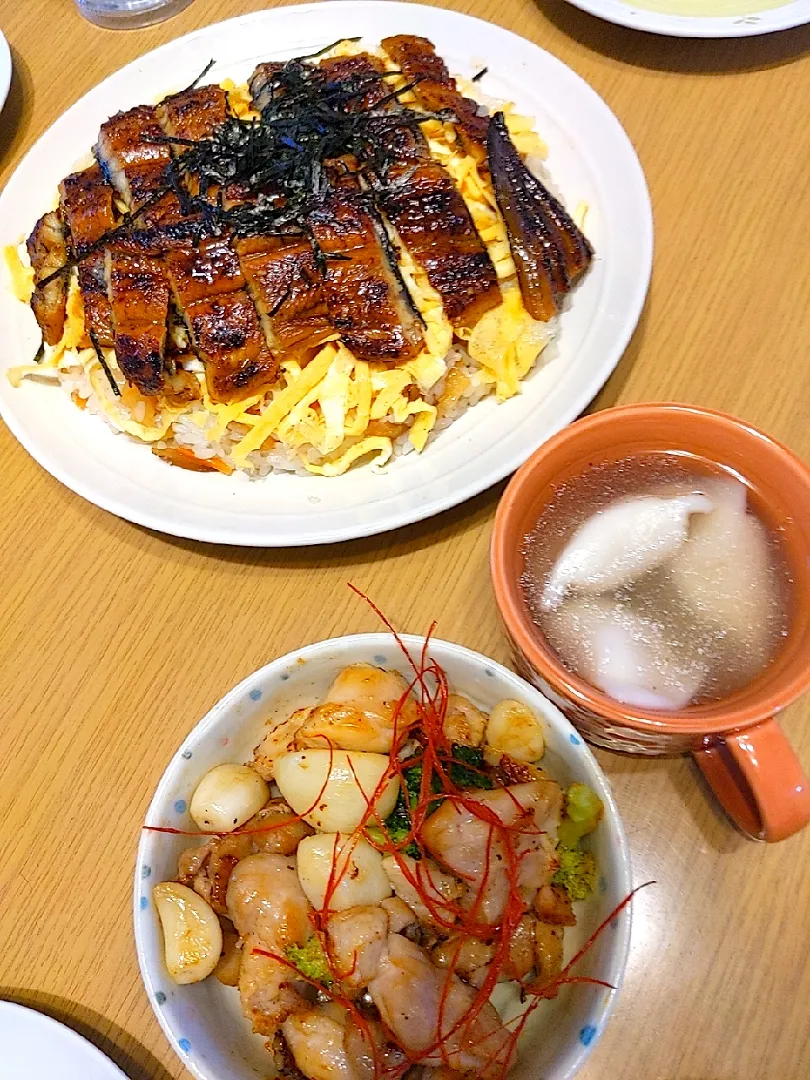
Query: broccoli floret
pixel 466 767
pixel 413 783
pixel 462 769
pixel 311 961
pixel 398 825
pixel 583 812
pixel 576 873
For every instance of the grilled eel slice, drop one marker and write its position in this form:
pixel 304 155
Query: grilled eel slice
pixel 86 203
pixel 138 281
pixel 134 155
pixel 207 283
pixel 550 252
pixel 367 300
pixel 47 250
pixel 281 272
pixel 193 114
pixel 209 289
pixel 262 83
pixel 203 274
pixel 136 162
pixel 431 218
pixel 436 89
pixel 357 82
pixel 419 198
pixel 285 283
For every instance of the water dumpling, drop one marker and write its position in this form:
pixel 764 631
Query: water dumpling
pixel 620 543
pixel 723 572
pixel 625 654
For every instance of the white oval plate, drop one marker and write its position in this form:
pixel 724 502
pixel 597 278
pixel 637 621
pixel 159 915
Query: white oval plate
pixel 204 1022
pixel 33 1047
pixel 590 158
pixel 744 18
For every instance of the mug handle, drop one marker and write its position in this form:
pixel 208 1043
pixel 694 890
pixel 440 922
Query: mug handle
pixel 758 781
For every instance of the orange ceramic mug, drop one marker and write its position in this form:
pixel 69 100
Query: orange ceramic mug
pixel 737 743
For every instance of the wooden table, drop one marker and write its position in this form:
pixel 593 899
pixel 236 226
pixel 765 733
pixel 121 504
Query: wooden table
pixel 115 640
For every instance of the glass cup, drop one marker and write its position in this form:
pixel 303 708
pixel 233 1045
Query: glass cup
pixel 736 742
pixel 129 14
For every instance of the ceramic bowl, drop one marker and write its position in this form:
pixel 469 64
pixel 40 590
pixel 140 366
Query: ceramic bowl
pixel 204 1023
pixel 736 740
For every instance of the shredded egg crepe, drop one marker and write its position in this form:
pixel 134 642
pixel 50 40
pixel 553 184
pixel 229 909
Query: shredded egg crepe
pixel 335 411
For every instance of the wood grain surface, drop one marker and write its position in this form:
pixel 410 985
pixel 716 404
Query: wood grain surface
pixel 115 640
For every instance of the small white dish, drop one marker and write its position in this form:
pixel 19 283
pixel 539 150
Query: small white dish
pixel 701 18
pixel 591 160
pixel 5 69
pixel 204 1023
pixel 33 1047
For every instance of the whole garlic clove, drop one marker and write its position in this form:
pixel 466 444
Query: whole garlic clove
pixel 513 729
pixel 227 797
pixel 192 935
pixel 332 789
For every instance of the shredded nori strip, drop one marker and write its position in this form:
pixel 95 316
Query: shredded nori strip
pixel 202 75
pixel 325 49
pixel 105 366
pixel 479 74
pixel 40 353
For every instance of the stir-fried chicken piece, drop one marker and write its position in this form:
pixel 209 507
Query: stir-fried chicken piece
pixel 279 740
pixel 47 250
pixel 276 829
pixel 464 955
pixel 207 869
pixel 230 962
pixel 265 897
pixel 553 905
pixel 468 842
pixel 267 906
pixel 369 1050
pixel 318 1044
pixel 363 709
pixel 358 938
pixel 548 953
pixel 422 1005
pixel 470 957
pixel 267 987
pixel 463 722
pixel 435 887
pixel 401 918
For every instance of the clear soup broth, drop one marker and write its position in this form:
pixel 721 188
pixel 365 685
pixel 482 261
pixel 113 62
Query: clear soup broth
pixel 656 580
